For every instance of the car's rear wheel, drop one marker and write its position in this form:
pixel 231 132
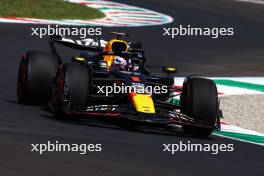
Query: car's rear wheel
pixel 35 76
pixel 199 100
pixel 71 91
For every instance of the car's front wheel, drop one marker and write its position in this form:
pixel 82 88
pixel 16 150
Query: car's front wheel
pixel 71 90
pixel 199 100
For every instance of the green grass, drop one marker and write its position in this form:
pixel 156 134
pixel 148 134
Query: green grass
pixel 47 9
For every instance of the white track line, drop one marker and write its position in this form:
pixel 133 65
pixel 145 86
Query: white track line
pixel 241 140
pixel 253 1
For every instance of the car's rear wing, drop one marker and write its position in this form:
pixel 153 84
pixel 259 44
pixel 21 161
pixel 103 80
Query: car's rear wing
pixel 89 44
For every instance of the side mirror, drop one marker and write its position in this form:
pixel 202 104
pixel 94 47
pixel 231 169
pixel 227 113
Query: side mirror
pixel 135 45
pixel 169 70
pixel 78 59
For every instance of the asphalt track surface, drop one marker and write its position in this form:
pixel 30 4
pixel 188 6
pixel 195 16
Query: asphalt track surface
pixel 136 152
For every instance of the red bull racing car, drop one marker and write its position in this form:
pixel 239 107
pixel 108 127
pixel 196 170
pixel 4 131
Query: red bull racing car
pixel 109 78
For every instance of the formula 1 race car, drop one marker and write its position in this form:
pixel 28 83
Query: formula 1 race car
pixel 87 86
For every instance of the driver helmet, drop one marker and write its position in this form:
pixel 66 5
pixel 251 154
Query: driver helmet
pixel 119 63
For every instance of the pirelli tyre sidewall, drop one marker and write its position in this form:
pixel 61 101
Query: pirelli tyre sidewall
pixel 199 100
pixel 35 76
pixel 70 94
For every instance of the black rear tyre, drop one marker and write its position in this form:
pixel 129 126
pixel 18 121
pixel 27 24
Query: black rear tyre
pixel 199 100
pixel 35 76
pixel 72 89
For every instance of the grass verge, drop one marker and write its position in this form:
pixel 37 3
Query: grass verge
pixel 47 9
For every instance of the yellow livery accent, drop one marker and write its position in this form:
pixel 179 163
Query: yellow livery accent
pixel 109 60
pixel 115 46
pixel 143 103
pixel 171 69
pixel 79 58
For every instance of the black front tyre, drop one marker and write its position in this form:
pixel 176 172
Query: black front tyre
pixel 199 100
pixel 35 76
pixel 71 91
